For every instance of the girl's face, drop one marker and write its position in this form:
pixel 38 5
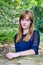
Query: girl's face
pixel 25 23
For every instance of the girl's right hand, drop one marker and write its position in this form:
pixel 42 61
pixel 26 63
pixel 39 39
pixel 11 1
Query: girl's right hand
pixel 11 55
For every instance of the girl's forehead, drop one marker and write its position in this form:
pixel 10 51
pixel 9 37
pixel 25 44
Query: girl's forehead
pixel 27 17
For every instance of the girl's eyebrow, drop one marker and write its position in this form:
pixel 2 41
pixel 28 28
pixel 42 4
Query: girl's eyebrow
pixel 26 19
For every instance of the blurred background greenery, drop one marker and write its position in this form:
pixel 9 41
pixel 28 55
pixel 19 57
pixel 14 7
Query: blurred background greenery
pixel 9 16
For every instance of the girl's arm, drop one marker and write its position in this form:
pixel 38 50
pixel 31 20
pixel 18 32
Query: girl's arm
pixel 11 55
pixel 27 52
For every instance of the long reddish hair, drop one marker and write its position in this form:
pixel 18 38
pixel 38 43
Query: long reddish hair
pixel 20 29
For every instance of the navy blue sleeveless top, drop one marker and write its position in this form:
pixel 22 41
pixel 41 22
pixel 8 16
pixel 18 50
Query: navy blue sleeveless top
pixel 33 43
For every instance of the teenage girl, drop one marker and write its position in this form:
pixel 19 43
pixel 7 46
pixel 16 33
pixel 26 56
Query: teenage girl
pixel 27 39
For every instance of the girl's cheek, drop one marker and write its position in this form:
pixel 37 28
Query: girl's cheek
pixel 29 22
pixel 21 23
pixel 25 22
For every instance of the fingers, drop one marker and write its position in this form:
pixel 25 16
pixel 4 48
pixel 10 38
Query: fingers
pixel 9 55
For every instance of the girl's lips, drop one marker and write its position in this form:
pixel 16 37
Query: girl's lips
pixel 24 25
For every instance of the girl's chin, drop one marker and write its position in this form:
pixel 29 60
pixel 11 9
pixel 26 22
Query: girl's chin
pixel 25 28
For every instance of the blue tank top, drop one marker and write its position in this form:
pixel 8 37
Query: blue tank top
pixel 33 43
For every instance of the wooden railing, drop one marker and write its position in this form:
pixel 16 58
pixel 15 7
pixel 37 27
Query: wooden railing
pixel 26 60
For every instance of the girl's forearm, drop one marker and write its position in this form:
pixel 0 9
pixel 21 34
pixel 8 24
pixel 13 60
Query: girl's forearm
pixel 27 52
pixel 24 53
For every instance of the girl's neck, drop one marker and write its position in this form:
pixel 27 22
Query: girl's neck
pixel 25 31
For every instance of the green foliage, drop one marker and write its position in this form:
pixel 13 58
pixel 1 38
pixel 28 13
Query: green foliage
pixel 38 11
pixel 10 11
pixel 7 34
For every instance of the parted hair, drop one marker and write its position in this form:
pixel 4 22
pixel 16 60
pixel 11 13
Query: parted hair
pixel 31 28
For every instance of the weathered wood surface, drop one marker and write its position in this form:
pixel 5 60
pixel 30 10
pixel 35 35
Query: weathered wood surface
pixel 27 60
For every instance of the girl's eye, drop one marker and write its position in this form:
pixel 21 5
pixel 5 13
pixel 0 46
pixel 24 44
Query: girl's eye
pixel 27 20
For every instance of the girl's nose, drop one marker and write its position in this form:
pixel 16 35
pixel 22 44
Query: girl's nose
pixel 24 23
